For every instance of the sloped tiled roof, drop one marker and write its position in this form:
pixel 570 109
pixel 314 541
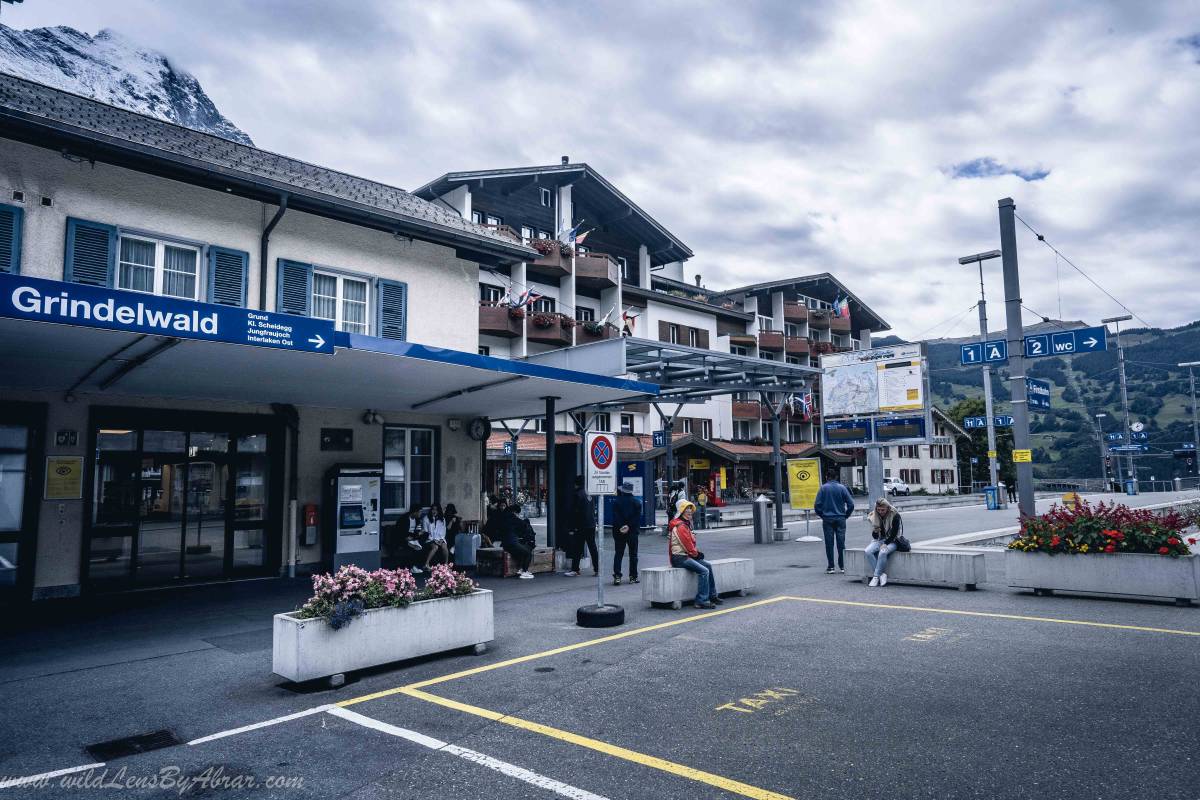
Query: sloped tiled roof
pixel 35 107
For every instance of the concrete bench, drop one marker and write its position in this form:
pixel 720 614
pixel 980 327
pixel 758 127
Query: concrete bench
pixel 675 585
pixel 944 567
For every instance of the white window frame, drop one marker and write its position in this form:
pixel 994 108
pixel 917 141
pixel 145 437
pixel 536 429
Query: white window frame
pixel 160 246
pixel 738 350
pixel 765 323
pixel 547 197
pixel 526 234
pixel 627 423
pixel 672 333
pixel 408 469
pixel 544 305
pixel 624 268
pixel 602 423
pixel 340 298
pixel 494 293
pixel 477 217
pixel 693 337
pixel 484 350
pixel 585 314
pixel 706 429
pixel 740 425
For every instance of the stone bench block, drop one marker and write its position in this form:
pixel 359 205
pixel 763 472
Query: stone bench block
pixel 675 585
pixel 938 567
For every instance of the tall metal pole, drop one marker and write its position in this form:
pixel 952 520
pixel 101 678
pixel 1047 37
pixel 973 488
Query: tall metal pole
pixel 1131 465
pixel 1191 365
pixel 1103 450
pixel 1016 354
pixel 777 460
pixel 993 461
pixel 551 480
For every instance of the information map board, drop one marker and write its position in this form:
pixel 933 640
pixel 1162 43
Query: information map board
pixel 875 397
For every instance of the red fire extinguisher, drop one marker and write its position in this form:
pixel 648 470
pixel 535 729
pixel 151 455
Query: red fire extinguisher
pixel 310 524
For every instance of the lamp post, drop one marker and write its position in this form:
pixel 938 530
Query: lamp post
pixel 1132 466
pixel 993 464
pixel 1191 365
pixel 1103 449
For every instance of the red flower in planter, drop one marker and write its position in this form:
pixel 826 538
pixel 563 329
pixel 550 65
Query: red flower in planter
pixel 1172 541
pixel 1055 541
pixel 1162 551
pixel 1110 547
pixel 1192 540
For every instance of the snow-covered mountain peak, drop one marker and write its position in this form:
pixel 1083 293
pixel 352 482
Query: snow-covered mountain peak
pixel 113 69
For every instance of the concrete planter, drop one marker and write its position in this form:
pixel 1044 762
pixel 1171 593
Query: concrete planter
pixel 1138 575
pixel 305 649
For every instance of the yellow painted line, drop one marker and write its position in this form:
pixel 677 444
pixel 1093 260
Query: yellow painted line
pixel 994 615
pixel 558 650
pixel 691 773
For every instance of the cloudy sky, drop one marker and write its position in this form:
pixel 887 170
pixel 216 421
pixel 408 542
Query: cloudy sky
pixel 868 139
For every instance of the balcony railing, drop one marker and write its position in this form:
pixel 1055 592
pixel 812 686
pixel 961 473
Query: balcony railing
pixel 819 348
pixel 795 312
pixel 747 409
pixel 548 329
pixel 497 321
pixel 839 324
pixel 594 332
pixel 770 340
pixel 552 263
pixel 596 271
pixel 819 319
pixel 742 339
pixel 797 345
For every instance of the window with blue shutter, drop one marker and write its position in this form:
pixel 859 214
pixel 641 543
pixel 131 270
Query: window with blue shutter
pixel 227 276
pixel 393 310
pixel 91 254
pixel 10 238
pixel 294 288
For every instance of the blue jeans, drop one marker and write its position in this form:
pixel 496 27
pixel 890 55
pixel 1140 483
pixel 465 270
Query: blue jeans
pixel 706 585
pixel 835 529
pixel 884 550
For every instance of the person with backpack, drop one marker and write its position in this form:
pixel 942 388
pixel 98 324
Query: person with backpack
pixel 681 549
pixel 834 505
pixel 887 536
pixel 627 518
pixel 583 526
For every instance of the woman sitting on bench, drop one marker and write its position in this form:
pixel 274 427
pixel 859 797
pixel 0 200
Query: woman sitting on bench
pixel 886 532
pixel 684 555
pixel 435 529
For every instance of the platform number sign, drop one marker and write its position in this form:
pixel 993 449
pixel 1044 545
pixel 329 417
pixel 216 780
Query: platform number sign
pixel 600 465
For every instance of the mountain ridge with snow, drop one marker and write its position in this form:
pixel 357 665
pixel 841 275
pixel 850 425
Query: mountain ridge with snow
pixel 115 70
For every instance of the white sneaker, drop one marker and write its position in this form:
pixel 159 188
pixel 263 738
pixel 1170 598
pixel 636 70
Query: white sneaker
pixel 525 576
pixel 883 579
pixel 571 573
pixel 416 570
pixel 874 582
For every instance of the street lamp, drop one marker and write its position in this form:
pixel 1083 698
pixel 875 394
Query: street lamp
pixel 1191 365
pixel 1103 449
pixel 993 464
pixel 1132 466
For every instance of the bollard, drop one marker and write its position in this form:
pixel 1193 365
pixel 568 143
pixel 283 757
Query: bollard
pixel 762 520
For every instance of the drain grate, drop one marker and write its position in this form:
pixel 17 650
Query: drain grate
pixel 132 745
pixel 543 669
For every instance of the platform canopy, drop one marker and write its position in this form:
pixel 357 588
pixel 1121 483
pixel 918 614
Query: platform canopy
pixel 682 373
pixel 363 372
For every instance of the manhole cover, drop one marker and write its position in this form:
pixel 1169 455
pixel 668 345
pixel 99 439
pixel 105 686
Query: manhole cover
pixel 132 745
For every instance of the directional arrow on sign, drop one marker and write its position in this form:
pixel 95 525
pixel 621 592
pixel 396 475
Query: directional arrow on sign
pixel 318 341
pixel 1091 342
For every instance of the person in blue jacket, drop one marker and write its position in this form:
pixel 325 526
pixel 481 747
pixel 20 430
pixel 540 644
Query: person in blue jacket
pixel 627 520
pixel 834 505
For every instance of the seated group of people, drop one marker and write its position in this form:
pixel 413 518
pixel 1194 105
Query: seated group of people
pixel 424 537
pixel 505 526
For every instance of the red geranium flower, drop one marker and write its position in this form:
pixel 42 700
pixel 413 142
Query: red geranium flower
pixel 1192 540
pixel 1172 541
pixel 1054 541
pixel 1162 551
pixel 1110 547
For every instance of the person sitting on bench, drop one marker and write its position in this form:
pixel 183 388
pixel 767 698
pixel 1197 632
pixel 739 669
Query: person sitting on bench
pixel 886 529
pixel 512 528
pixel 435 530
pixel 681 546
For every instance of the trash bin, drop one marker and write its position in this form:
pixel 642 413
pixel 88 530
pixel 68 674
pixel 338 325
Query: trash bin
pixel 1179 484
pixel 762 506
pixel 1131 487
pixel 991 494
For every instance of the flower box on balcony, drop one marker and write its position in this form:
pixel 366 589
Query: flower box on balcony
pixel 499 321
pixel 595 330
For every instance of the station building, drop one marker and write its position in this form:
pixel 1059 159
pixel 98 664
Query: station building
pixel 195 334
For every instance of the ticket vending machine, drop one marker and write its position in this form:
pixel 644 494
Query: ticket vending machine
pixel 353 514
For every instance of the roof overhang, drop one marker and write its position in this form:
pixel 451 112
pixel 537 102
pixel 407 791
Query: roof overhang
pixel 363 372
pixel 653 296
pixel 588 187
pixel 858 308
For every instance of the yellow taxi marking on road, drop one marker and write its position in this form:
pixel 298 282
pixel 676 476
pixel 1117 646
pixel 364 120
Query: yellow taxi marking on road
pixel 758 700
pixel 927 635
pixel 691 773
pixel 995 615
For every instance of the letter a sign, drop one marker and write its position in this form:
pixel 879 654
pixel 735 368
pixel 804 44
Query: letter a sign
pixel 600 464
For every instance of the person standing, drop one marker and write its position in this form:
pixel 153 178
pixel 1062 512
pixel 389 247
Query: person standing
pixel 886 529
pixel 627 517
pixel 583 524
pixel 681 548
pixel 1012 492
pixel 834 505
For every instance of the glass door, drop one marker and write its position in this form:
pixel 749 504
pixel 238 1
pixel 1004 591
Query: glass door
pixel 208 510
pixel 116 506
pixel 251 502
pixel 161 507
pixel 20 490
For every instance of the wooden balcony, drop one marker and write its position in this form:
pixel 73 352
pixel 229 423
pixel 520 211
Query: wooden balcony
pixel 582 334
pixel 496 321
pixel 747 409
pixel 797 345
pixel 556 334
pixel 596 271
pixel 549 266
pixel 742 340
pixel 819 319
pixel 820 348
pixel 794 312
pixel 770 340
pixel 839 324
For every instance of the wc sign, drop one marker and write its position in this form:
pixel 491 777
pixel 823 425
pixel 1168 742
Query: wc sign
pixel 600 464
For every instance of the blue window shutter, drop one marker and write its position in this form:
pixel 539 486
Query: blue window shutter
pixel 227 276
pixel 10 238
pixel 294 288
pixel 91 253
pixel 393 310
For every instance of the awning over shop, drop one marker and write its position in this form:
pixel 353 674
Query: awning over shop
pixel 364 372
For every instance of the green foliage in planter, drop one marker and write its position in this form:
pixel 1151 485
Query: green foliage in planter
pixel 1105 529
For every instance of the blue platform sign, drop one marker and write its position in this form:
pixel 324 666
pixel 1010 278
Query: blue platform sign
pixel 894 429
pixel 1129 448
pixel 1003 421
pixel 1114 437
pixel 974 422
pixel 659 438
pixel 1067 343
pixel 508 448
pixel 1038 393
pixel 848 432
pixel 974 460
pixel 1139 436
pixel 993 351
pixel 999 421
pixel 42 300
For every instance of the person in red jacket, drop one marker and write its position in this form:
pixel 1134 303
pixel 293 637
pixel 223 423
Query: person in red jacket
pixel 681 547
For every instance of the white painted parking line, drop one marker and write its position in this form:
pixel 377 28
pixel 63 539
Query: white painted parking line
pixel 257 725
pixel 503 767
pixel 8 783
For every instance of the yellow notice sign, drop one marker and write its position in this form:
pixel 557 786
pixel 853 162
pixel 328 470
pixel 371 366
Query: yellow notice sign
pixel 991 453
pixel 804 479
pixel 1025 456
pixel 64 477
pixel 723 486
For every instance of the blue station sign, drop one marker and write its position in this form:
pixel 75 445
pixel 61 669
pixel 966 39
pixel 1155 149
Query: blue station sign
pixel 43 300
pixel 659 438
pixel 894 429
pixel 1114 437
pixel 993 351
pixel 1129 448
pixel 998 421
pixel 1067 343
pixel 1038 393
pixel 848 432
pixel 508 447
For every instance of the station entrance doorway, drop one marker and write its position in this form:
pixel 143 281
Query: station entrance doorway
pixel 179 497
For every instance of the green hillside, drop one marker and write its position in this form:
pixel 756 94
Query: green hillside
pixel 1065 438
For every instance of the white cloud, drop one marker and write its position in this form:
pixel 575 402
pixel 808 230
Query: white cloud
pixel 774 138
